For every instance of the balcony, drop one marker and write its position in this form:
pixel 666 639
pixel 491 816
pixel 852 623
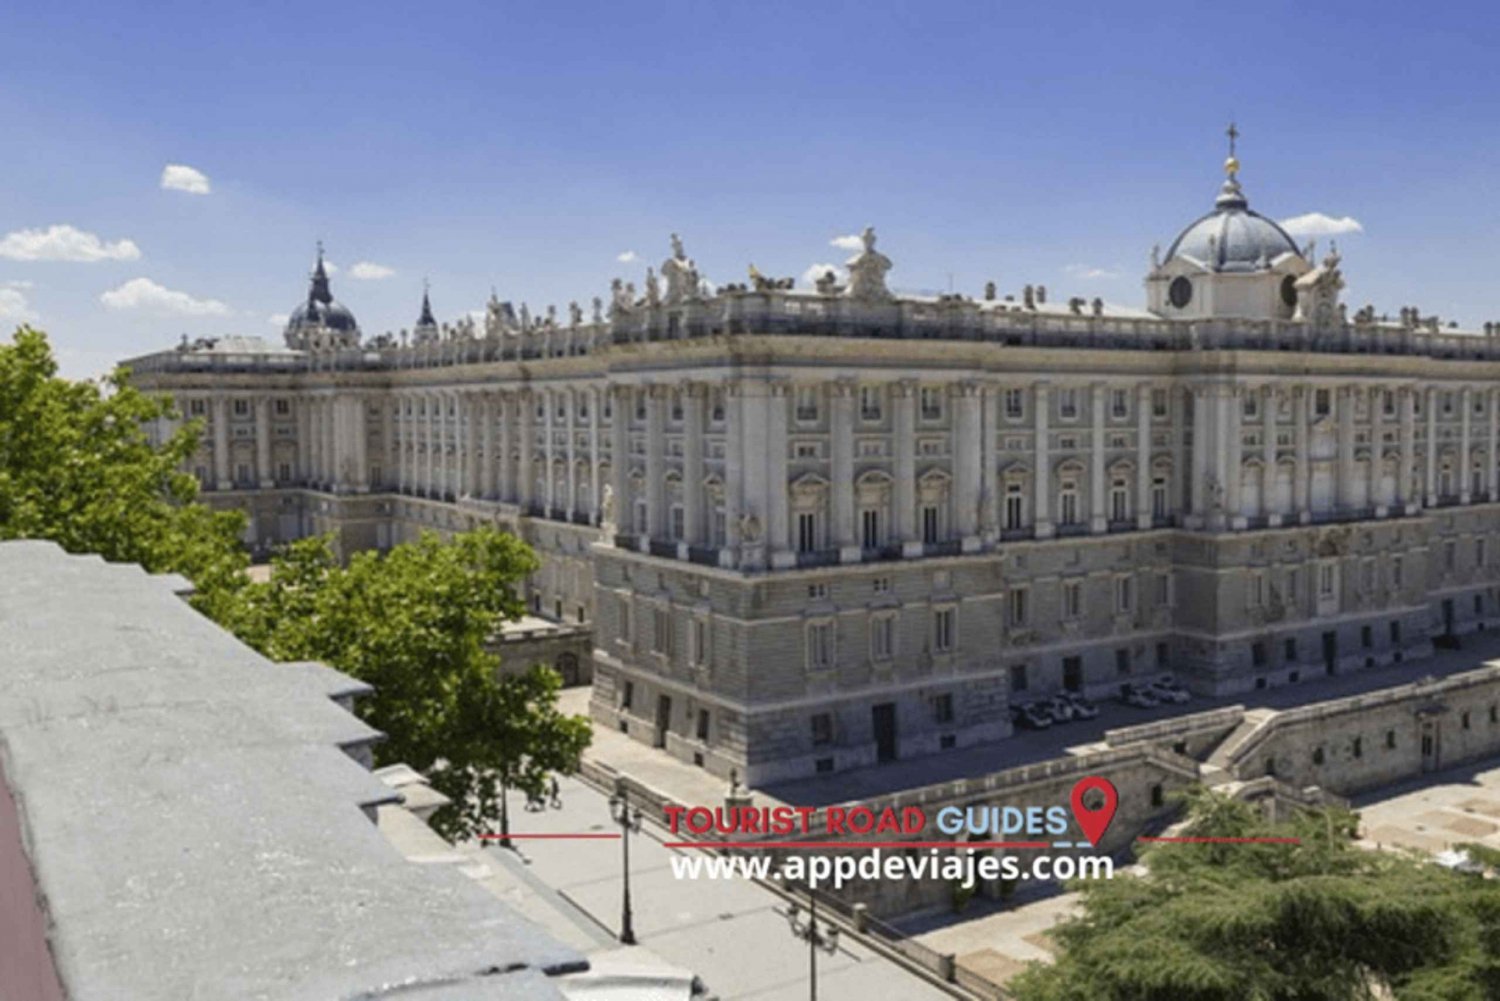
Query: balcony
pixel 818 558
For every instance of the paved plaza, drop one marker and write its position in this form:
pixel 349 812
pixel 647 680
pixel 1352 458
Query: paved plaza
pixel 734 934
pixel 1437 812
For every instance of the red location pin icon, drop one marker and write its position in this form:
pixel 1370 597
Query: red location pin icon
pixel 1094 822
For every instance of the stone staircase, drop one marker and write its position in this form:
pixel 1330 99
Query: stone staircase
pixel 1218 769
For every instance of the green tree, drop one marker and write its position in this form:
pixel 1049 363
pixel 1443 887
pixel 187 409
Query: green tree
pixel 1321 920
pixel 414 622
pixel 77 467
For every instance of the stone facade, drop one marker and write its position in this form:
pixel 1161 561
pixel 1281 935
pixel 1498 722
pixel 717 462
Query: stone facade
pixel 815 529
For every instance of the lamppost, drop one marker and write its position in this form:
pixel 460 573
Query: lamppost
pixel 629 820
pixel 825 938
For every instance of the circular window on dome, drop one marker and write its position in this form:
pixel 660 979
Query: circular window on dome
pixel 1180 292
pixel 1289 290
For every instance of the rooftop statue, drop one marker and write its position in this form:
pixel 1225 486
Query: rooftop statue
pixel 681 273
pixel 867 271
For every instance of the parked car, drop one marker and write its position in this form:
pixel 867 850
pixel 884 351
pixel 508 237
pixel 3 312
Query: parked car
pixel 1034 716
pixel 1139 696
pixel 1061 708
pixel 1082 707
pixel 1168 690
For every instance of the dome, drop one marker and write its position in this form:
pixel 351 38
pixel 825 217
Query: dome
pixel 1231 237
pixel 332 315
pixel 320 315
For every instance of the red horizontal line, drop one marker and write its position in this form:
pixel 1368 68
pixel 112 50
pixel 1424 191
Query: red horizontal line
pixel 557 837
pixel 1226 841
pixel 856 844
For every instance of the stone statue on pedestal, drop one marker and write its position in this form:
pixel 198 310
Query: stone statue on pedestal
pixel 867 271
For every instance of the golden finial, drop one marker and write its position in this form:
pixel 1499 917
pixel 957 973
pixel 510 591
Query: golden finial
pixel 1232 163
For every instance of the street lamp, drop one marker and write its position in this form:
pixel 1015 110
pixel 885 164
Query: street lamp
pixel 825 938
pixel 629 818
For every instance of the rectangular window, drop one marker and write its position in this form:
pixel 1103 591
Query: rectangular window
pixel 930 533
pixel 942 708
pixel 1015 404
pixel 1067 403
pixel 1322 402
pixel 661 632
pixel 932 403
pixel 1018 677
pixel 882 637
pixel 700 641
pixel 870 403
pixel 283 408
pixel 869 524
pixel 196 408
pixel 822 729
pixel 1158 403
pixel 1122 662
pixel 880 585
pixel 807 404
pixel 1124 597
pixel 1119 404
pixel 1017 603
pixel 1327 580
pixel 819 646
pixel 703 725
pixel 1015 507
pixel 942 630
pixel 807 532
pixel 628 695
pixel 1159 497
pixel 241 408
pixel 1072 599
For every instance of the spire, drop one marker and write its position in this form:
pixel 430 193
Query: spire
pixel 319 291
pixel 1230 194
pixel 426 320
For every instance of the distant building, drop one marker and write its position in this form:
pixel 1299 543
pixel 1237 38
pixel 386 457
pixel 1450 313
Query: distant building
pixel 181 818
pixel 820 528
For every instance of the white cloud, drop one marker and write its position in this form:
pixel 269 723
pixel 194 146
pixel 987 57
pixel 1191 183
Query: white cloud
pixel 13 304
pixel 1087 272
pixel 143 293
pixel 1318 224
pixel 180 177
pixel 21 283
pixel 816 271
pixel 64 243
pixel 329 267
pixel 277 319
pixel 851 242
pixel 370 271
pixel 626 257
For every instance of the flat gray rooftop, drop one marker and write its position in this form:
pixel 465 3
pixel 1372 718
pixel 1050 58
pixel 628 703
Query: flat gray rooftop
pixel 193 825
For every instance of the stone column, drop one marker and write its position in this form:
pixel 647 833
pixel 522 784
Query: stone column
pixel 264 474
pixel 656 467
pixel 1177 402
pixel 304 441
pixel 1268 456
pixel 1232 407
pixel 735 471
pixel 1408 436
pixel 1143 455
pixel 1492 409
pixel 596 403
pixel 477 460
pixel 968 464
pixel 619 459
pixel 779 532
pixel 841 470
pixel 1041 475
pixel 570 450
pixel 505 406
pixel 487 445
pixel 1347 502
pixel 692 467
pixel 1373 404
pixel 315 443
pixel 1432 446
pixel 223 480
pixel 359 431
pixel 1465 464
pixel 1098 516
pixel 526 424
pixel 1202 429
pixel 990 500
pixel 1302 401
pixel 904 420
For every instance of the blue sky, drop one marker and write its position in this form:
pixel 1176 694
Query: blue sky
pixel 526 147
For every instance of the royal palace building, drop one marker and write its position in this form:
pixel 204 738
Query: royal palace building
pixel 818 528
